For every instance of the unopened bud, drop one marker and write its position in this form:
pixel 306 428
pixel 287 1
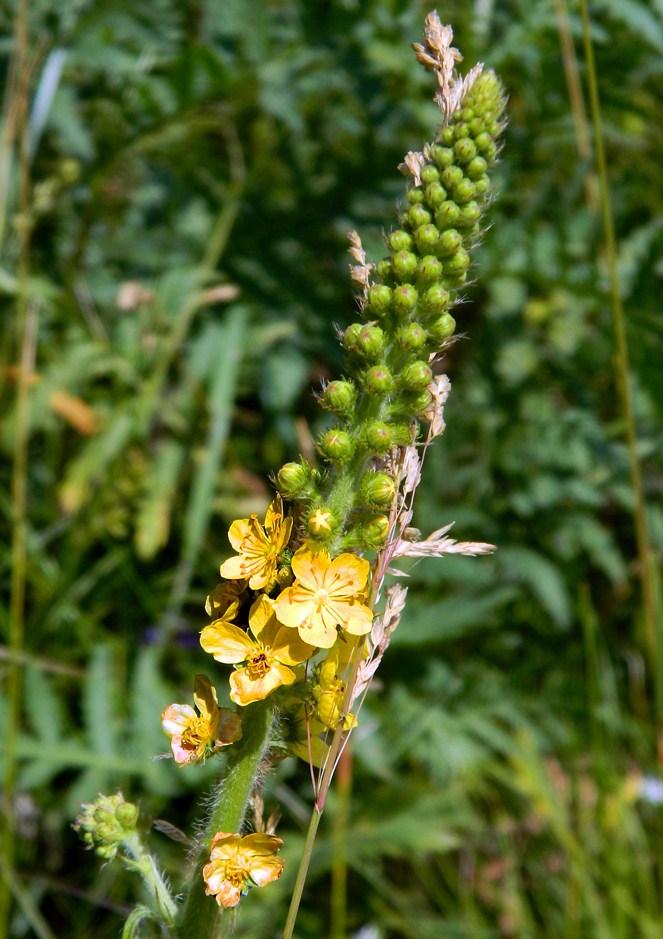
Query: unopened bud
pixel 435 195
pixel 417 216
pixel 449 242
pixel 378 489
pixel 404 299
pixel 461 130
pixel 384 270
pixel 400 241
pixel 476 168
pixel 447 215
pixel 415 196
pixel 426 238
pixel 451 177
pixel 415 376
pixel 375 531
pixel 429 174
pixel 435 300
pixel 379 299
pixel 443 156
pixel 378 380
pixel 447 136
pixel 429 271
pixel 441 328
pixel 469 215
pixel 339 397
pixel 404 265
pixel 335 445
pixel 378 438
pixel 322 523
pixel 371 342
pixel 127 815
pixel 412 336
pixel 457 264
pixel 465 150
pixel 465 191
pixel 482 185
pixel 350 336
pixel 292 479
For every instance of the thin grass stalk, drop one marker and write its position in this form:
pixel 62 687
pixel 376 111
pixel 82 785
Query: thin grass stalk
pixel 26 330
pixel 339 869
pixel 622 377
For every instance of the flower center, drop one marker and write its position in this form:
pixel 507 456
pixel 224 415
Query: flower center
pixel 235 875
pixel 321 598
pixel 258 665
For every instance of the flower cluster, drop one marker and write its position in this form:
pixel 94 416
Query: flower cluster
pixel 294 615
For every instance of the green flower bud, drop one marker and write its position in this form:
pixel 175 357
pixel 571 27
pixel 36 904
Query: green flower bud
pixel 429 174
pixel 430 271
pixel 441 328
pixel 469 215
pixel 417 216
pixel 443 156
pixel 461 130
pixel 322 523
pixel 465 191
pixel 482 185
pixel 486 146
pixel 371 341
pixel 476 127
pixel 415 196
pixel 447 137
pixel 447 215
pixel 476 168
pixel 415 377
pixel 350 336
pixel 375 531
pixel 378 437
pixel 404 265
pixel 400 240
pixel 404 299
pixel 426 238
pixel 379 299
pixel 339 397
pixel 378 489
pixel 435 195
pixel 127 815
pixel 435 300
pixel 418 404
pixel 293 478
pixel 378 380
pixel 384 270
pixel 457 264
pixel 411 337
pixel 465 150
pixel 449 242
pixel 452 176
pixel 335 445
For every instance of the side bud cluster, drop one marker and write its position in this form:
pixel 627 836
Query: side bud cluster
pixel 406 302
pixel 107 823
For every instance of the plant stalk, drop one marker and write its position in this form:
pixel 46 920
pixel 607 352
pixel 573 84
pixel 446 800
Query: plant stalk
pixel 200 914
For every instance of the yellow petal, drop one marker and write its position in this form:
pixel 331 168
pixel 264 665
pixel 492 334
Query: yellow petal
pixel 261 844
pixel 319 632
pixel 262 620
pixel 234 568
pixel 237 532
pixel 274 513
pixel 227 643
pixel 294 606
pixel 230 727
pixel 347 575
pixel 176 718
pixel 245 690
pixel 204 697
pixel 288 647
pixel 266 870
pixel 310 566
pixel 358 619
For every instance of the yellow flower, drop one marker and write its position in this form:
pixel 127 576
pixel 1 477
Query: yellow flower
pixel 226 596
pixel 329 689
pixel 326 594
pixel 262 663
pixel 258 547
pixel 237 863
pixel 194 736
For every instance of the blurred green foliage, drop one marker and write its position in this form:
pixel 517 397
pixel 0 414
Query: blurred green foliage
pixel 195 169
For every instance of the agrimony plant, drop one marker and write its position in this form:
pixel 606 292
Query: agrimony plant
pixel 302 615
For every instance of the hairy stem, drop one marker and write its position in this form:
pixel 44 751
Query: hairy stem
pixel 200 915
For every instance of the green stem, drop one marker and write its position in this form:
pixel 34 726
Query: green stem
pixel 623 381
pixel 200 915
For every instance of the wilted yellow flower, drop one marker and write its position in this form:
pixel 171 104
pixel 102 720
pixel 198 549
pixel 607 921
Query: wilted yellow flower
pixel 329 689
pixel 237 863
pixel 262 663
pixel 226 597
pixel 258 547
pixel 194 736
pixel 326 594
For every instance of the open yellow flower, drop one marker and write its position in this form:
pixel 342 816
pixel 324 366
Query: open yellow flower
pixel 262 662
pixel 193 736
pixel 226 597
pixel 326 594
pixel 237 863
pixel 258 547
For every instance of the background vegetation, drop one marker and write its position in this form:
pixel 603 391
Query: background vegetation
pixel 194 169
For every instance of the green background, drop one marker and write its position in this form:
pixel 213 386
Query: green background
pixel 195 168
